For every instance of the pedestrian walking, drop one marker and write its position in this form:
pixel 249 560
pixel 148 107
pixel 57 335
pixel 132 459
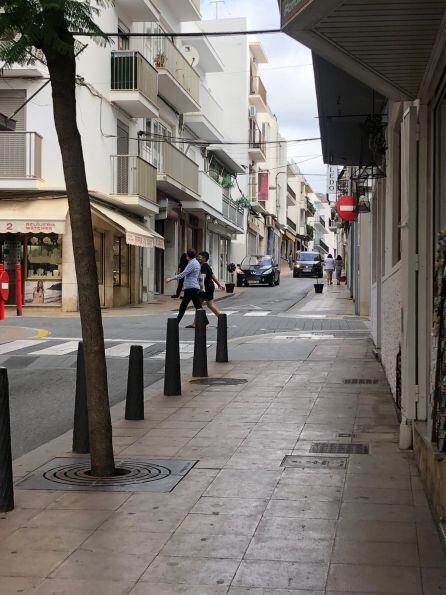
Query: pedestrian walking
pixel 338 267
pixel 209 282
pixel 191 276
pixel 181 266
pixel 329 267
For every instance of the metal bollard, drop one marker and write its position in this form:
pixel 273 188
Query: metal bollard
pixel 222 340
pixel 200 367
pixel 18 289
pixel 81 438
pixel 134 404
pixel 172 369
pixel 6 482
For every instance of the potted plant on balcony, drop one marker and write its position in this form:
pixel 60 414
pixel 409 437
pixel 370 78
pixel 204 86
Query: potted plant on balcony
pixel 243 202
pixel 231 270
pixel 160 59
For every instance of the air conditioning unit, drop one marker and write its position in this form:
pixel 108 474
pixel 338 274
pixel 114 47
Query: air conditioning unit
pixel 252 111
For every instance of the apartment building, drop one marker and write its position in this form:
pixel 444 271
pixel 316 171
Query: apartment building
pixel 295 234
pixel 393 91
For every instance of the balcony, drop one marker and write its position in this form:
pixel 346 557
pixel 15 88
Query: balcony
pixel 291 197
pixel 134 84
pixel 20 160
pixel 184 10
pixel 204 122
pixel 291 225
pixel 138 11
pixel 257 146
pixel 133 184
pixel 179 83
pixel 177 174
pixel 233 213
pixel 257 94
pixel 319 225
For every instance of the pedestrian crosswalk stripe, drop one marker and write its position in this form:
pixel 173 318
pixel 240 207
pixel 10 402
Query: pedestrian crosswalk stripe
pixel 19 344
pixel 59 349
pixel 123 349
pixel 258 313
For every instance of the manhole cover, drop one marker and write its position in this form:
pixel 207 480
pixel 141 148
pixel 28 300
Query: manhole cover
pixel 337 448
pixel 219 381
pixel 360 381
pixel 135 476
pixel 345 435
pixel 307 462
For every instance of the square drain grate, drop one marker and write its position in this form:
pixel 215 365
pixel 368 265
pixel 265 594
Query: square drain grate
pixel 360 381
pixel 337 448
pixel 306 462
pixel 345 435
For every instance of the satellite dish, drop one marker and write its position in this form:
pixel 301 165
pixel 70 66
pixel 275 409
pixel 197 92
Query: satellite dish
pixel 191 54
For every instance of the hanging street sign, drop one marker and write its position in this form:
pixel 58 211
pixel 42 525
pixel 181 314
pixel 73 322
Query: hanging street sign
pixel 347 207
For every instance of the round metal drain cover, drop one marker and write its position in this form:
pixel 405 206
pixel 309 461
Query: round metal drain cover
pixel 219 381
pixel 78 474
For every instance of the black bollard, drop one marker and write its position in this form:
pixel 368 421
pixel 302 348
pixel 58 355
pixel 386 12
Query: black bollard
pixel 134 404
pixel 6 483
pixel 81 438
pixel 172 369
pixel 200 368
pixel 222 340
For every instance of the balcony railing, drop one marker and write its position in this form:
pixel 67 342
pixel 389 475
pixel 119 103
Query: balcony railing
pixel 256 140
pixel 20 155
pixel 130 71
pixel 291 224
pixel 176 64
pixel 322 221
pixel 210 106
pixel 176 165
pixel 324 246
pixel 233 213
pixel 133 176
pixel 258 88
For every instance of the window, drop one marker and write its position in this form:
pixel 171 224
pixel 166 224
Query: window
pixel 99 255
pixel 123 42
pixel 153 149
pixel 44 256
pixel 120 262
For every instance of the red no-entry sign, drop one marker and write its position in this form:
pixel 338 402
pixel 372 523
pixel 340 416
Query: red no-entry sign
pixel 346 207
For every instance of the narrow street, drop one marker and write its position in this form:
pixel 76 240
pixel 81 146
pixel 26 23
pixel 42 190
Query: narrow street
pixel 42 373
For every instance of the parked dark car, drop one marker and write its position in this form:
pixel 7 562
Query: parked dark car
pixel 308 264
pixel 258 270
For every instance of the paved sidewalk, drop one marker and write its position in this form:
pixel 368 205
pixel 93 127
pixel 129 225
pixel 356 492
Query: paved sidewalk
pixel 242 521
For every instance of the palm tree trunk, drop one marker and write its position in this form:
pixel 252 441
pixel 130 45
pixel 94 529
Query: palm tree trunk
pixel 62 69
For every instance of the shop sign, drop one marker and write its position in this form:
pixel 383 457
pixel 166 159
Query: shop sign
pixel 23 226
pixel 332 179
pixel 263 186
pixel 290 8
pixel 4 286
pixel 134 239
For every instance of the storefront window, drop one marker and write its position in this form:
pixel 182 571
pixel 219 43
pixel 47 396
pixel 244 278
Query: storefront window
pixel 120 262
pixel 44 256
pixel 99 255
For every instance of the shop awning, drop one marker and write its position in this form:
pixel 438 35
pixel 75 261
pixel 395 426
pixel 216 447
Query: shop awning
pixel 136 234
pixel 33 216
pixel 290 235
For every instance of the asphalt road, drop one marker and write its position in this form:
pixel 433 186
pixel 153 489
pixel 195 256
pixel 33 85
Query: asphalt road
pixel 42 385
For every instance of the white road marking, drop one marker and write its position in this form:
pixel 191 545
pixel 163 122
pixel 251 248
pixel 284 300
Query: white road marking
pixel 123 349
pixel 60 349
pixel 258 313
pixel 19 344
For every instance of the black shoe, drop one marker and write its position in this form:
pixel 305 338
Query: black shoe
pixel 190 326
pixel 174 297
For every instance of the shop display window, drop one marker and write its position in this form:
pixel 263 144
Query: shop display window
pixel 120 262
pixel 44 256
pixel 99 255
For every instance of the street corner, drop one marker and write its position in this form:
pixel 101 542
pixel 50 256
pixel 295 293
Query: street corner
pixel 13 333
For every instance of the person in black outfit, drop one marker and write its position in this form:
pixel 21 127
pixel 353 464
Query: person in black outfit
pixel 209 279
pixel 181 266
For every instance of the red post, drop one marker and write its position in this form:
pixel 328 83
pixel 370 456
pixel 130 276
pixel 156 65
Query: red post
pixel 18 288
pixel 2 303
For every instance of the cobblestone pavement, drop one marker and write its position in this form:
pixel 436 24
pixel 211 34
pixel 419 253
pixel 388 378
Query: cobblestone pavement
pixel 274 503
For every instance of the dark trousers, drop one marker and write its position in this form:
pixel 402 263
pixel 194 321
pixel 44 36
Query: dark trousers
pixel 179 288
pixel 190 295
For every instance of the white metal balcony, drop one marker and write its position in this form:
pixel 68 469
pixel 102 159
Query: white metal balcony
pixel 134 184
pixel 211 192
pixel 233 213
pixel 205 123
pixel 20 160
pixel 257 146
pixel 134 84
pixel 177 174
pixel 178 82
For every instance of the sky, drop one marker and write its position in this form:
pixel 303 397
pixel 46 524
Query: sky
pixel 289 81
